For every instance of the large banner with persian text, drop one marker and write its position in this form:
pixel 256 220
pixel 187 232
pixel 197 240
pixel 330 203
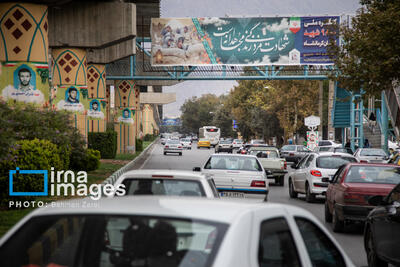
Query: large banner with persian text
pixel 243 41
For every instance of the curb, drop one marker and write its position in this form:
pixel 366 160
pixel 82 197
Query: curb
pixel 113 177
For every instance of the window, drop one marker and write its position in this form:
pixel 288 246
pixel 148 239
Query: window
pixel 321 250
pixel 324 143
pixel 110 241
pixel 373 152
pixel 338 175
pixel 233 163
pixel 302 162
pixel 333 162
pixel 374 174
pixel 302 149
pixel 168 187
pixel 213 187
pixel 288 148
pixel 277 247
pixel 308 162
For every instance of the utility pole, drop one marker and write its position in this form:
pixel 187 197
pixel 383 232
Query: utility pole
pixel 331 130
pixel 320 107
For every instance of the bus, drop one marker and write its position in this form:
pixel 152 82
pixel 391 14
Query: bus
pixel 212 133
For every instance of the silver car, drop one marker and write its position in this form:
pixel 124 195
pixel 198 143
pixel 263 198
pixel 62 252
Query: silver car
pixel 308 173
pixel 173 146
pixel 371 155
pixel 240 176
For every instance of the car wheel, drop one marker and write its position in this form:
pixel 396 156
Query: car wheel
pixel 373 259
pixel 180 154
pixel 165 153
pixel 310 197
pixel 328 214
pixel 209 147
pixel 292 193
pixel 198 147
pixel 337 224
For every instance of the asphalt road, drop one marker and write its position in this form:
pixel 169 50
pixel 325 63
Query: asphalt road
pixel 351 240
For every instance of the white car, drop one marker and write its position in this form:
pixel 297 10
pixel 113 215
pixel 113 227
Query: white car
pixel 173 146
pixel 237 143
pixel 186 143
pixel 167 182
pixel 371 155
pixel 239 176
pixel 170 231
pixel 308 173
pixel 328 143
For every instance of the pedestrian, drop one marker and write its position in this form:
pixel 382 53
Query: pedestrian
pixel 366 143
pixel 347 144
pixel 372 121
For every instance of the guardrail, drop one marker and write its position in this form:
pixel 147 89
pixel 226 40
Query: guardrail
pixel 113 177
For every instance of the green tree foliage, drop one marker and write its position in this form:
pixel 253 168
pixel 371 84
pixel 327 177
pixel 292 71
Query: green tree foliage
pixel 106 143
pixel 369 56
pixel 198 112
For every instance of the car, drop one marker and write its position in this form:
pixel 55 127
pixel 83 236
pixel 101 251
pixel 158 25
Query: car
pixel 350 188
pixel 173 146
pixel 167 182
pixel 186 143
pixel 309 172
pixel 237 143
pixel 328 143
pixel 371 155
pixel 195 138
pixel 203 142
pixel 163 140
pixel 274 166
pixel 170 231
pixel 342 150
pixel 224 146
pixel 294 153
pixel 323 149
pixel 239 176
pixel 382 229
pixel 257 141
pixel 244 149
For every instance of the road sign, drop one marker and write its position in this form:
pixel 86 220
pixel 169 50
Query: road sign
pixel 312 121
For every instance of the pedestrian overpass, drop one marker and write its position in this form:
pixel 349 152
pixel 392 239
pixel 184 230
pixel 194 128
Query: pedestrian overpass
pixel 348 108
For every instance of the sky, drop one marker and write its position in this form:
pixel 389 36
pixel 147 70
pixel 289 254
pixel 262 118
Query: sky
pixel 236 8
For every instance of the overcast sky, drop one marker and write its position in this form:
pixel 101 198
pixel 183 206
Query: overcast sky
pixel 235 8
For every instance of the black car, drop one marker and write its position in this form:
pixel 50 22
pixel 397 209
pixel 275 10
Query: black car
pixel 382 230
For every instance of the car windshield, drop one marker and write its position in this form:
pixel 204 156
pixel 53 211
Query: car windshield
pixel 238 141
pixel 113 240
pixel 324 148
pixel 225 142
pixel 264 153
pixel 342 150
pixel 373 152
pixel 373 174
pixel 288 148
pixel 233 163
pixel 169 187
pixel 185 140
pixel 333 162
pixel 172 142
pixel 258 141
pixel 203 139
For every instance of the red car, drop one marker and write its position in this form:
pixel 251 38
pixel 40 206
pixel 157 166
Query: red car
pixel 351 187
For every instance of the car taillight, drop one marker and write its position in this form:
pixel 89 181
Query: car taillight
pixel 285 166
pixel 166 146
pixel 363 161
pixel 291 154
pixel 316 173
pixel 256 183
pixel 179 146
pixel 243 152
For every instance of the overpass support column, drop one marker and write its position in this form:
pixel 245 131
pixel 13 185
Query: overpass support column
pixel 24 49
pixel 384 122
pixel 96 81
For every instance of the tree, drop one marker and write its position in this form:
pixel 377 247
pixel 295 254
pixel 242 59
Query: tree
pixel 369 56
pixel 198 112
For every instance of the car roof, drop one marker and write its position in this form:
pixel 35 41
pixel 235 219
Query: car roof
pixel 220 210
pixel 373 165
pixel 188 175
pixel 329 153
pixel 233 155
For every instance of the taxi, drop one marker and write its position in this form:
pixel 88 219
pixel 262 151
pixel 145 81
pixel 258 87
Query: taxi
pixel 203 142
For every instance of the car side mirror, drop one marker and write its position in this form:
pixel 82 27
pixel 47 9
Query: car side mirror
pixel 197 169
pixel 376 200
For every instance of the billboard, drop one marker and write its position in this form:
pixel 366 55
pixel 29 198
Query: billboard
pixel 171 122
pixel 242 41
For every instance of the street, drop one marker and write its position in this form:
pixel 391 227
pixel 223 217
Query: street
pixel 351 241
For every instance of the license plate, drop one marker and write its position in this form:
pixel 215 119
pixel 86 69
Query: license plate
pixel 232 194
